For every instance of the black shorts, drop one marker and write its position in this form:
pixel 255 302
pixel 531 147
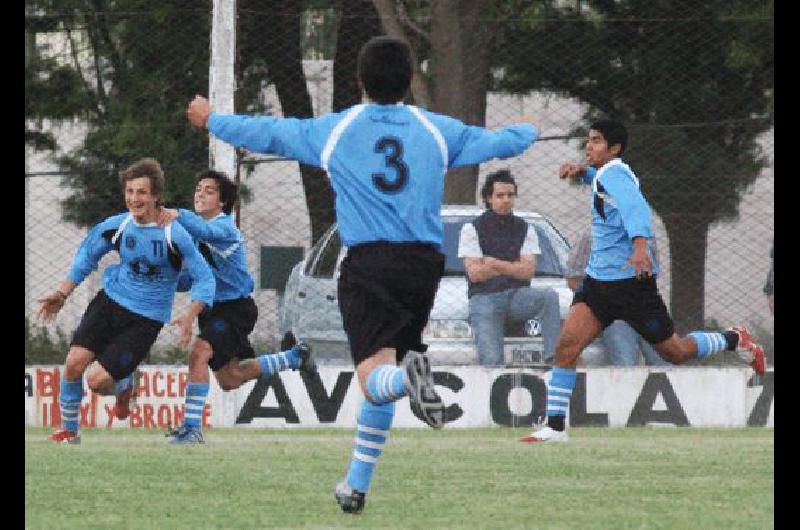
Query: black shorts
pixel 226 327
pixel 637 302
pixel 119 338
pixel 386 292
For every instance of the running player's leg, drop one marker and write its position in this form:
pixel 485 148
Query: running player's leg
pixel 701 344
pixel 386 293
pixel 71 394
pixel 90 336
pixel 648 315
pixel 581 327
pixel 197 388
pixel 132 336
pixel 234 360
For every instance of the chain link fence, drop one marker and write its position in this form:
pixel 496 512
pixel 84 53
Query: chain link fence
pixel 105 87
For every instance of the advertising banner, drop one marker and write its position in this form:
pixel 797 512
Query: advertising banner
pixel 474 396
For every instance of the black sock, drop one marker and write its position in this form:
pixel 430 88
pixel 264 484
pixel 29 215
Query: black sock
pixel 556 422
pixel 732 338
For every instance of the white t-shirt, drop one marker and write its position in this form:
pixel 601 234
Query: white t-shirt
pixel 469 246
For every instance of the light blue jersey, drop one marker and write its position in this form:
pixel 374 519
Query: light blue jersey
pixel 226 253
pixel 386 163
pixel 145 279
pixel 619 213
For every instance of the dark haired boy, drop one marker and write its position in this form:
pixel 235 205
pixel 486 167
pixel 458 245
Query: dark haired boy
pixel 386 162
pixel 620 282
pixel 223 344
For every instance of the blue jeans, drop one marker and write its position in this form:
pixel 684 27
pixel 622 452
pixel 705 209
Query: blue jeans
pixel 488 313
pixel 623 345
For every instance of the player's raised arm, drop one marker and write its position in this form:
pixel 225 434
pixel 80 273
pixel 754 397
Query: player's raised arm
pixel 299 139
pixel 93 247
pixel 470 144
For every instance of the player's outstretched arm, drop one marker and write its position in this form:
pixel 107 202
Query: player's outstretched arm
pixel 300 139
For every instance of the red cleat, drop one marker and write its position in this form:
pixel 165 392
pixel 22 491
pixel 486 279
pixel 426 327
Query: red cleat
pixel 65 437
pixel 122 408
pixel 754 353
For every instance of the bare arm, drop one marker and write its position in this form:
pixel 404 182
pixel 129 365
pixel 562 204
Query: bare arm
pixel 185 322
pixel 51 303
pixel 479 269
pixel 486 268
pixel 571 171
pixel 573 282
pixel 522 269
pixel 640 259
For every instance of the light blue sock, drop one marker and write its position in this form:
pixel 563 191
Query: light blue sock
pixel 374 422
pixel 69 398
pixel 559 390
pixel 195 400
pixel 708 343
pixel 123 384
pixel 272 363
pixel 385 383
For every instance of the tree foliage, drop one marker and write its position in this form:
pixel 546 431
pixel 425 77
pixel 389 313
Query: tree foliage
pixel 131 68
pixel 693 81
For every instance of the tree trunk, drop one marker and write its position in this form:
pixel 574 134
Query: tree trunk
pixel 459 67
pixel 688 240
pixel 358 22
pixel 281 48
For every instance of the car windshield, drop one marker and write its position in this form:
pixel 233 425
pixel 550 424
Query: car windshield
pixel 550 263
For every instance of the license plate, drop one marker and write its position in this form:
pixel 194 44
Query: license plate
pixel 523 354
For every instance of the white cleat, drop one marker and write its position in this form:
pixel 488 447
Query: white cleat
pixel 546 434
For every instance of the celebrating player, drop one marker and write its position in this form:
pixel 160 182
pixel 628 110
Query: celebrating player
pixel 386 162
pixel 223 343
pixel 620 282
pixel 123 320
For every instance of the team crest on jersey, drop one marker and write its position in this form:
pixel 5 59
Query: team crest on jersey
pixel 143 267
pixel 130 242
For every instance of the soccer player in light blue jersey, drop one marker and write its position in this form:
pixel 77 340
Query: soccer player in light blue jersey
pixel 223 344
pixel 620 282
pixel 386 162
pixel 123 320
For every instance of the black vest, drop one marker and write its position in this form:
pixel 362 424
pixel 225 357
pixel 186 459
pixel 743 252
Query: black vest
pixel 501 237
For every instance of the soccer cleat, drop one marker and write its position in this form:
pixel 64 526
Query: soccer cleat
pixel 418 381
pixel 546 434
pixel 350 500
pixel 65 437
pixel 121 408
pixel 307 363
pixel 126 399
pixel 185 435
pixel 749 350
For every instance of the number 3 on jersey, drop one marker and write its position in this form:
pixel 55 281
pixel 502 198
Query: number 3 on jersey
pixel 393 149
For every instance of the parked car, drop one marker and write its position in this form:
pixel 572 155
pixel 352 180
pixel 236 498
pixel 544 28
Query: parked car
pixel 310 308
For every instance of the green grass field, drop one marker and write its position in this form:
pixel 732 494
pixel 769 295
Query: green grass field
pixel 477 478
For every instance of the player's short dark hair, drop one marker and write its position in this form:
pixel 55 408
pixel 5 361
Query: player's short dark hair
pixel 613 131
pixel 147 168
pixel 384 69
pixel 228 190
pixel 503 176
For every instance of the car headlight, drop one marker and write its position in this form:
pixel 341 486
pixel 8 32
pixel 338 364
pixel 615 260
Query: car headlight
pixel 448 329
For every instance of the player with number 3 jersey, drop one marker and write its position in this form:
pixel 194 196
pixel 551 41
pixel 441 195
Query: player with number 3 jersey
pixel 386 162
